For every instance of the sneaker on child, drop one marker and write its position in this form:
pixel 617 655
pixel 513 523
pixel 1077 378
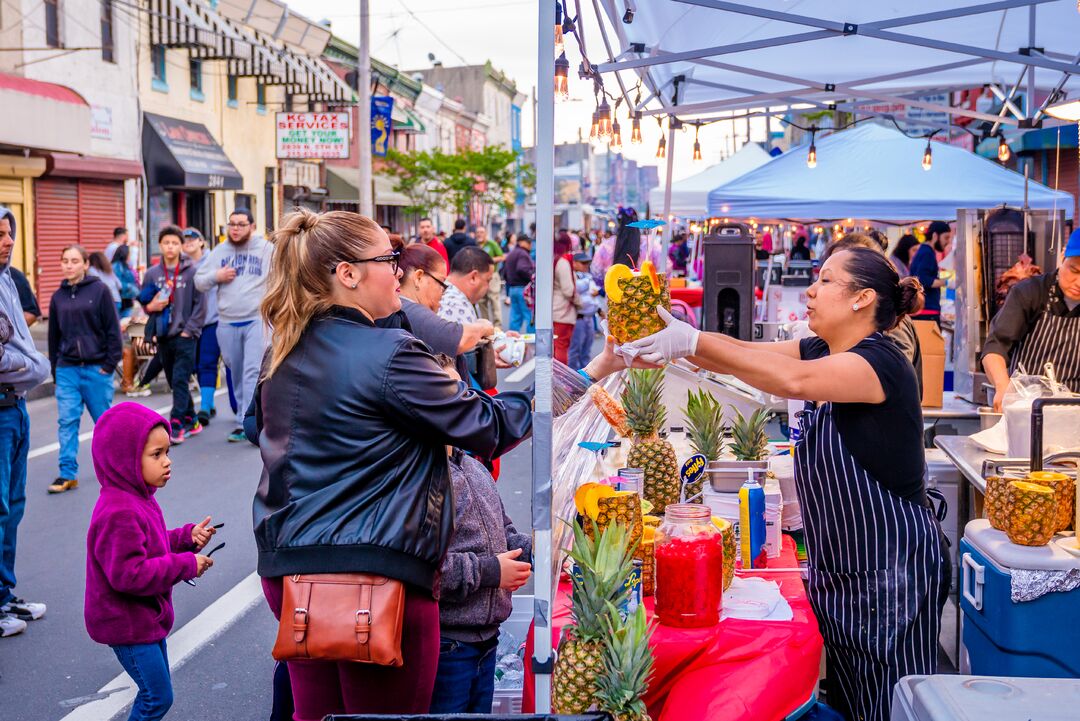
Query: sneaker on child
pixel 139 391
pixel 192 427
pixel 237 436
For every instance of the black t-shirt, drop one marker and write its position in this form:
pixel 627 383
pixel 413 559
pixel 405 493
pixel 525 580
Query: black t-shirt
pixel 885 438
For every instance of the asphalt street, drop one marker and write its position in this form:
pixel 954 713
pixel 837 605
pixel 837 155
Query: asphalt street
pixel 54 671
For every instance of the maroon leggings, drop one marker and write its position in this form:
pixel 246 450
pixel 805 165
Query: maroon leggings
pixel 325 687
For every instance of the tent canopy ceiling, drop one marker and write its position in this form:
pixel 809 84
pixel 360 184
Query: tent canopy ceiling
pixel 741 55
pixel 690 196
pixel 875 173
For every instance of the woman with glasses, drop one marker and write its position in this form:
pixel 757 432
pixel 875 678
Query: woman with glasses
pixel 355 420
pixel 423 282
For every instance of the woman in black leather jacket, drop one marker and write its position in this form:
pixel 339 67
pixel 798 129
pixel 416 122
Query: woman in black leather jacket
pixel 355 424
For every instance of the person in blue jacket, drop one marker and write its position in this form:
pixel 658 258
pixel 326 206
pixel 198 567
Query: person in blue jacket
pixel 924 266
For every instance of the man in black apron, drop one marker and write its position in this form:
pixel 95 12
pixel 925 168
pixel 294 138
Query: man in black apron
pixel 1039 323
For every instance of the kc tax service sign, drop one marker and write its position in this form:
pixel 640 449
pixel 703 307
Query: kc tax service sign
pixel 304 136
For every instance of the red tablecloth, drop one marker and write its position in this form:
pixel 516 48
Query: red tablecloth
pixel 760 670
pixel 691 296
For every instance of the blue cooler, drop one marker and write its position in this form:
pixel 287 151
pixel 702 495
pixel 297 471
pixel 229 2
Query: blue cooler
pixel 1039 638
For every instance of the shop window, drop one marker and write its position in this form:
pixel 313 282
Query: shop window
pixel 52 23
pixel 107 44
pixel 233 92
pixel 157 61
pixel 260 99
pixel 195 70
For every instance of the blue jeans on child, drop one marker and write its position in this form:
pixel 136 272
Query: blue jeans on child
pixel 148 666
pixel 581 342
pixel 465 681
pixel 520 315
pixel 76 387
pixel 14 446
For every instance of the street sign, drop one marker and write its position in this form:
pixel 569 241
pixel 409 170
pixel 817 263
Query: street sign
pixel 305 136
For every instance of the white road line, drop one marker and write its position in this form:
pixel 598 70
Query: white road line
pixel 90 434
pixel 183 644
pixel 522 372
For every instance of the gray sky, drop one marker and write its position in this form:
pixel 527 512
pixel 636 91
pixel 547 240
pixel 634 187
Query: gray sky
pixel 461 32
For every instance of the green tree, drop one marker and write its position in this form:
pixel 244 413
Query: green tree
pixel 434 180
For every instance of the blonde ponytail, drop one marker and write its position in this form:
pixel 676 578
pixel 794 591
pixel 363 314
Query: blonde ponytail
pixel 300 286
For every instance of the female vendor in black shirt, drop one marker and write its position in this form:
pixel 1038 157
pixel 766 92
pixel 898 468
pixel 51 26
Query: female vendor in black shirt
pixel 1039 323
pixel 878 571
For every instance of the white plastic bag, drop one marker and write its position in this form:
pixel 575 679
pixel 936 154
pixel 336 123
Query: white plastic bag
pixel 1061 427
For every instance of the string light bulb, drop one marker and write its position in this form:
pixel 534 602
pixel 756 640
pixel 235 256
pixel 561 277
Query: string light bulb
pixel 1004 151
pixel 635 129
pixel 560 48
pixel 811 155
pixel 562 83
pixel 661 148
pixel 697 145
pixel 603 121
pixel 616 136
pixel 594 131
pixel 927 157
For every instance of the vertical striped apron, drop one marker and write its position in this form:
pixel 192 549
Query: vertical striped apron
pixel 876 570
pixel 1055 339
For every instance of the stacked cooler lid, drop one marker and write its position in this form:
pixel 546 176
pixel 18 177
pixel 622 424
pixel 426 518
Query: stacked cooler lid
pixel 977 698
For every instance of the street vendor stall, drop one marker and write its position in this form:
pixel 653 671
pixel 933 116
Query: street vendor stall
pixel 739 668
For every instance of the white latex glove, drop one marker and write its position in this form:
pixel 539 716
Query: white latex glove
pixel 677 340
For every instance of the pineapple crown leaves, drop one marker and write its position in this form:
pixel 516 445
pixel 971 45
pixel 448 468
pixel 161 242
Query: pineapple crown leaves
pixel 641 399
pixel 749 440
pixel 604 563
pixel 628 665
pixel 705 419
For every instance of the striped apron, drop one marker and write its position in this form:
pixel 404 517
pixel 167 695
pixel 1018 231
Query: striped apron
pixel 1055 339
pixel 876 572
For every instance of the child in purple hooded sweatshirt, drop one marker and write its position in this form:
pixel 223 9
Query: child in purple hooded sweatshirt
pixel 132 561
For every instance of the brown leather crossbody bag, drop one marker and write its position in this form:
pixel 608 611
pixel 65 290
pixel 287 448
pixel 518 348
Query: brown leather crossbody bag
pixel 341 617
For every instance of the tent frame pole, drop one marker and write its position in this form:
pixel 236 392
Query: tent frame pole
pixel 542 660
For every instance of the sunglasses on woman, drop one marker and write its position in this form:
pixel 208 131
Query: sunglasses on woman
pixel 392 259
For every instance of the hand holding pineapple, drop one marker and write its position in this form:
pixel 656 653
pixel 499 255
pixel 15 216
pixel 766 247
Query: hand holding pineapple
pixel 677 340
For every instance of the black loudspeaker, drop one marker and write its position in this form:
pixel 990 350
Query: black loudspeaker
pixel 729 281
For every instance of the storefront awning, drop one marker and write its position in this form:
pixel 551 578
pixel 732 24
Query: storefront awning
pixel 405 120
pixel 342 184
pixel 26 102
pixel 181 154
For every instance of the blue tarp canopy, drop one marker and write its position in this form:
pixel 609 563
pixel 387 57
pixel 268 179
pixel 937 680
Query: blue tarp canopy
pixel 872 172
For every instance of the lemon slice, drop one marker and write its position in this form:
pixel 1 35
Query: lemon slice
pixel 611 281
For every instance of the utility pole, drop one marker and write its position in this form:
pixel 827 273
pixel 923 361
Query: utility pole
pixel 363 92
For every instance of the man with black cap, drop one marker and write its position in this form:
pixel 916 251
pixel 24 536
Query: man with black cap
pixel 1039 323
pixel 581 341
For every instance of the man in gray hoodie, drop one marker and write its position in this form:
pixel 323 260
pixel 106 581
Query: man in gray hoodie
pixel 22 367
pixel 239 269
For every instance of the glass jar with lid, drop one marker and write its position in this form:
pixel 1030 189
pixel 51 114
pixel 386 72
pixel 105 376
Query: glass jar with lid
pixel 689 553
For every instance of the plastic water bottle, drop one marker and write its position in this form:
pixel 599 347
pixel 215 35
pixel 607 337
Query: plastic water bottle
pixel 752 524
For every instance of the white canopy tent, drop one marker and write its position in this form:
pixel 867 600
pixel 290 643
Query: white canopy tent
pixel 712 59
pixel 871 172
pixel 690 196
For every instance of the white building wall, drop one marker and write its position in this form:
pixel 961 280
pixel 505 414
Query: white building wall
pixel 109 87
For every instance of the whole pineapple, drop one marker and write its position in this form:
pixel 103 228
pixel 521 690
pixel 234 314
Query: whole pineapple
pixel 749 440
pixel 1032 513
pixel 705 421
pixel 604 562
pixel 645 415
pixel 624 508
pixel 628 664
